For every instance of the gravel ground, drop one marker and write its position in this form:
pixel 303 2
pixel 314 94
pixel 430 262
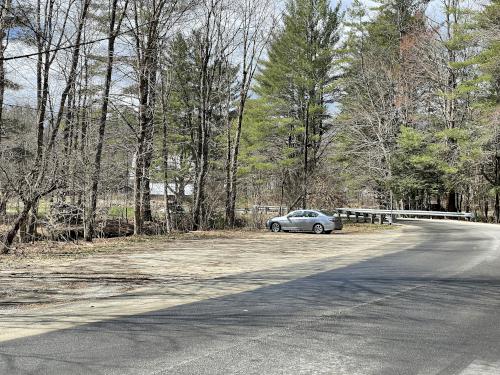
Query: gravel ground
pixel 89 282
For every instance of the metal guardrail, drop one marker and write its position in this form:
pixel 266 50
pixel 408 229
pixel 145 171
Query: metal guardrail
pixel 368 213
pixel 383 213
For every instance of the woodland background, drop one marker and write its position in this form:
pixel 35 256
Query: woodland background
pixel 146 116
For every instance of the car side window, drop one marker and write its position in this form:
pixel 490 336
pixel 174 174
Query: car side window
pixel 297 214
pixel 311 214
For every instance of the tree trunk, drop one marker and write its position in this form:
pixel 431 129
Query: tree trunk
pixel 82 135
pixel 200 182
pixel 89 213
pixel 147 65
pixel 137 190
pixel 282 194
pixel 234 156
pixel 497 207
pixel 168 221
pixel 146 174
pixel 228 166
pixel 202 142
pixel 3 205
pixel 31 223
pixel 3 33
pixel 140 154
pixel 148 157
pixel 71 76
pixel 452 201
pixel 306 158
pixel 147 214
pixel 11 234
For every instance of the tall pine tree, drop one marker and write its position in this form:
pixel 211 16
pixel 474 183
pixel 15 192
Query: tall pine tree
pixel 488 85
pixel 298 79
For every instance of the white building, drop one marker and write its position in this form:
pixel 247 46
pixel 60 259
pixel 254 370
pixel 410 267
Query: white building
pixel 158 189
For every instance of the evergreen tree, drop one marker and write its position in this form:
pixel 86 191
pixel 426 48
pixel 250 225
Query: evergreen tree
pixel 298 78
pixel 381 90
pixel 488 86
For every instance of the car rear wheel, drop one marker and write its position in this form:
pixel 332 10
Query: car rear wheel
pixel 318 228
pixel 275 227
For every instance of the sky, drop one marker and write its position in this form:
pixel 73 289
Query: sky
pixel 23 71
pixel 347 3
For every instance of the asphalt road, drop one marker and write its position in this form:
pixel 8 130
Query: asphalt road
pixel 431 309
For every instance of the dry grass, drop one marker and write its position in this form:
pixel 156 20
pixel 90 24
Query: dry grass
pixel 22 253
pixel 368 228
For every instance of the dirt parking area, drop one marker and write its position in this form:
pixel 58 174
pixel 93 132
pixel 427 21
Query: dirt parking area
pixel 98 280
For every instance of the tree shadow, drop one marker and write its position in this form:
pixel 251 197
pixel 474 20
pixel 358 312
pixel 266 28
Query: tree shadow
pixel 400 309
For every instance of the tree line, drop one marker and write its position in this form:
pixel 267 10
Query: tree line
pixel 228 104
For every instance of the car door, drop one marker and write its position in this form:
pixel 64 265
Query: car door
pixel 287 223
pixel 302 221
pixel 310 218
pixel 294 220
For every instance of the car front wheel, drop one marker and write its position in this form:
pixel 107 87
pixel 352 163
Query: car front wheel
pixel 275 227
pixel 318 228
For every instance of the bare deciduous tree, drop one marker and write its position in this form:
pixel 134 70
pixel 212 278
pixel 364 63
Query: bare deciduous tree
pixel 255 29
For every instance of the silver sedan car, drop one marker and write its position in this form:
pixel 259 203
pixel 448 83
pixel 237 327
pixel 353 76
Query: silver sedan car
pixel 306 221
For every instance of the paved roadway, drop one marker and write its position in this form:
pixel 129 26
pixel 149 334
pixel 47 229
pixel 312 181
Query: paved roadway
pixel 430 309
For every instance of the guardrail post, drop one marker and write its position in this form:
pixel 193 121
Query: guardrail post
pixel 364 217
pixel 381 219
pixel 356 216
pixel 348 214
pixel 372 218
